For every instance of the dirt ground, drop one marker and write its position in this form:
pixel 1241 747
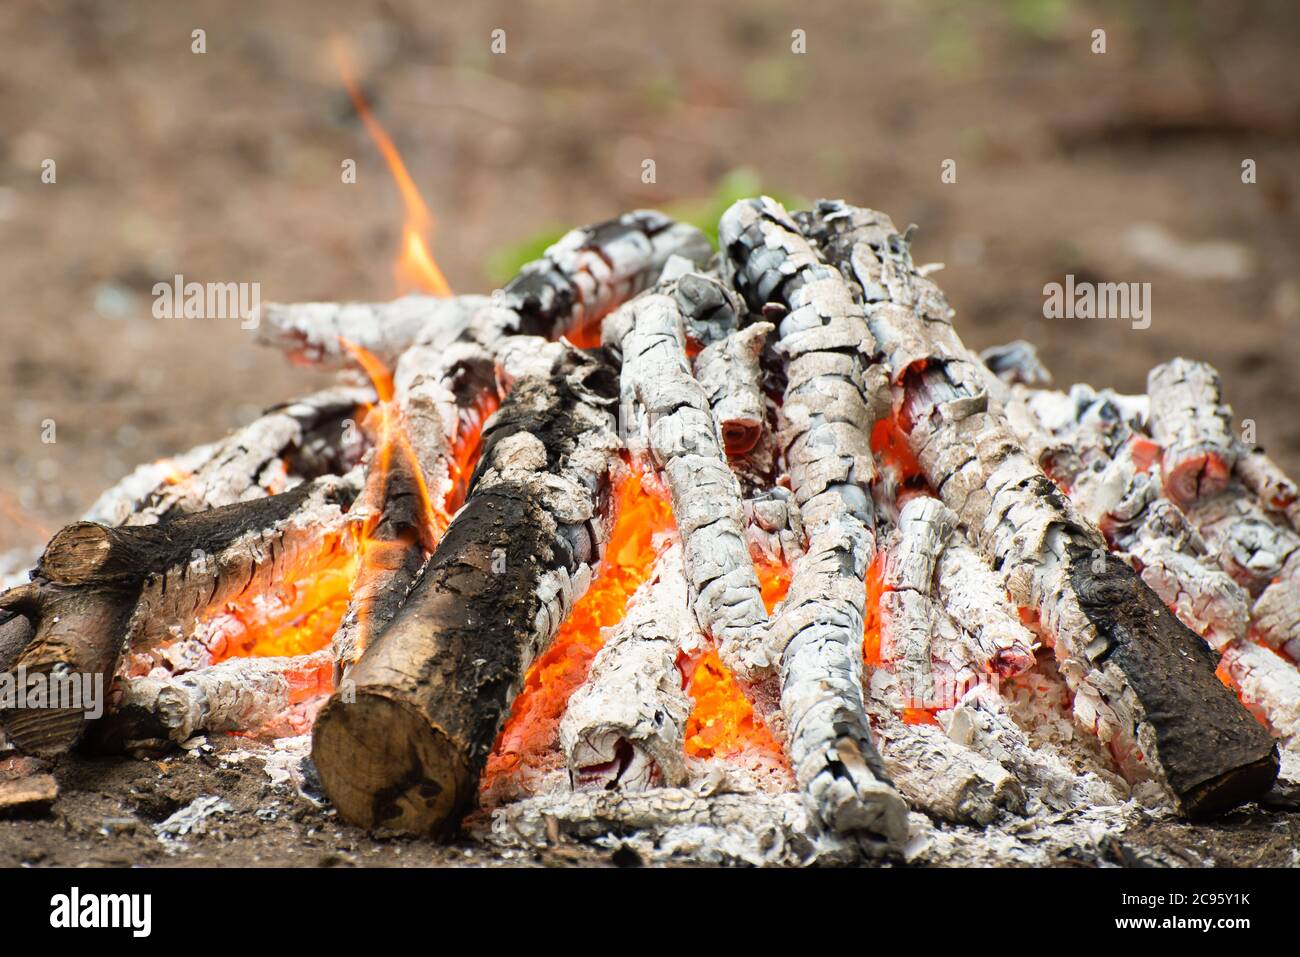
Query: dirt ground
pixel 111 812
pixel 225 166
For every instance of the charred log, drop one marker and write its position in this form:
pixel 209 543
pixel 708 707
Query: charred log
pixel 95 585
pixel 404 741
pixel 265 457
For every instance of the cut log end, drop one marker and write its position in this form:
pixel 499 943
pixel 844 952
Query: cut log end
pixel 1208 751
pixel 44 732
pixel 385 765
pixel 1232 788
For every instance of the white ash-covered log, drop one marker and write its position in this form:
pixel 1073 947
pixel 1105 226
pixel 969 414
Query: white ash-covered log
pixel 585 275
pixel 1142 680
pixel 625 727
pixel 833 398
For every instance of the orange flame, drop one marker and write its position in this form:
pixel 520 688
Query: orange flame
pixel 297 616
pixel 871 612
pixel 415 267
pixel 889 443
pixel 173 474
pixel 773 580
pixel 302 611
pixel 376 553
pixel 392 438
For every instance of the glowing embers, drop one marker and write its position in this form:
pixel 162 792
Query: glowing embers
pixel 526 744
pixel 296 615
pixel 900 470
pixel 871 612
pixel 871 657
pixel 722 723
pixel 773 580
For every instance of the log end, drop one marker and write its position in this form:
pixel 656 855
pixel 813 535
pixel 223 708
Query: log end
pixel 43 732
pixel 76 553
pixel 1232 788
pixel 385 765
pixel 1203 744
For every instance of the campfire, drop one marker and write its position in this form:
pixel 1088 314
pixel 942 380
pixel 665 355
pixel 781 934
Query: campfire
pixel 735 556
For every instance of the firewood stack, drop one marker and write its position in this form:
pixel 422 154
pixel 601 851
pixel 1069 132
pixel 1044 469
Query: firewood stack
pixel 994 599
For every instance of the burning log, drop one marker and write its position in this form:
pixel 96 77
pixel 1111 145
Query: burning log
pixel 265 696
pixel 580 279
pixel 1154 535
pixel 320 332
pixel 404 745
pixel 590 271
pixel 1142 680
pixel 832 401
pixel 252 462
pixel 95 585
pixel 1263 556
pixel 1265 478
pixel 1123 500
pixel 431 411
pixel 976 600
pixel 673 414
pixel 909 616
pixel 730 375
pixel 1069 433
pixel 1269 685
pixel 1194 427
pixel 625 728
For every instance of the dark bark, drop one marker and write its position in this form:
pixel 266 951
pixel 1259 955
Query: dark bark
pixel 403 743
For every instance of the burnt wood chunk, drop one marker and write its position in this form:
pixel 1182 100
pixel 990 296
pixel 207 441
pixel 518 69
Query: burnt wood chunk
pixel 83 599
pixel 1212 751
pixel 402 743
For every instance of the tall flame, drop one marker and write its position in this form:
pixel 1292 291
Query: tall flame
pixel 415 268
pixel 393 444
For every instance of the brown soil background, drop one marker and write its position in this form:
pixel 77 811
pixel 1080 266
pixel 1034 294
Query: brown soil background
pixel 225 166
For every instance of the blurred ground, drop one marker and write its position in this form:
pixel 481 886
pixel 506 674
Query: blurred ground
pixel 225 166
